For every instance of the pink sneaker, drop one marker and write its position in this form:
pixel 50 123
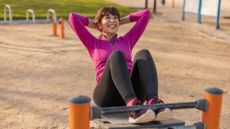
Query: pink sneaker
pixel 140 116
pixel 161 113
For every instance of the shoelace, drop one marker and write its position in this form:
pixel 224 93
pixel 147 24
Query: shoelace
pixel 136 114
pixel 156 100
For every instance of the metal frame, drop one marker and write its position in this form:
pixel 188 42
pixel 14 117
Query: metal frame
pixel 27 21
pixel 7 7
pixel 54 17
pixel 199 13
pixel 200 104
pixel 30 11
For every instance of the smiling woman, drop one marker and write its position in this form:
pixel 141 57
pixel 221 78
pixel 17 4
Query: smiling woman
pixel 107 20
pixel 120 81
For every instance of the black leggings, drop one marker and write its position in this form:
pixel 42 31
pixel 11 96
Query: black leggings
pixel 116 86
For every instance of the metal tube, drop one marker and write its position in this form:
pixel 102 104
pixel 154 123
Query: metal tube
pixel 7 7
pixel 54 17
pixel 200 104
pixel 155 6
pixel 198 125
pixel 146 4
pixel 62 33
pixel 32 14
pixel 54 28
pixel 211 117
pixel 79 113
pixel 173 106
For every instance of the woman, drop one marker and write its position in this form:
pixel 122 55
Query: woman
pixel 120 81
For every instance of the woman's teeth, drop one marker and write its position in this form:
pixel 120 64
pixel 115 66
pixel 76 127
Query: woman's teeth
pixel 112 26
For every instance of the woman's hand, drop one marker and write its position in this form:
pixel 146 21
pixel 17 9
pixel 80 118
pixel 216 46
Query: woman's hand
pixel 93 25
pixel 124 20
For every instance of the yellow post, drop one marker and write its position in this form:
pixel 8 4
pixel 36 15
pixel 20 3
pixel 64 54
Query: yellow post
pixel 62 29
pixel 79 113
pixel 211 117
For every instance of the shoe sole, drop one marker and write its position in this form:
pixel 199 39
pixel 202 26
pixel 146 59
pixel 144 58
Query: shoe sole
pixel 164 115
pixel 144 118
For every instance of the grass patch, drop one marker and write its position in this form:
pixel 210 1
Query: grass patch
pixel 62 7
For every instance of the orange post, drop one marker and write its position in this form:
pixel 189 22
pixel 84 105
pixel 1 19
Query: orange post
pixel 211 117
pixel 61 22
pixel 54 28
pixel 79 113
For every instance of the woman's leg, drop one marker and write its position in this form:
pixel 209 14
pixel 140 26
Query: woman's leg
pixel 144 76
pixel 115 86
pixel 115 89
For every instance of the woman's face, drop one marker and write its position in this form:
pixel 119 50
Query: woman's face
pixel 110 24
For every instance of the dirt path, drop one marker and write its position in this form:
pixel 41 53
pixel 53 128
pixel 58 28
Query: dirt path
pixel 39 73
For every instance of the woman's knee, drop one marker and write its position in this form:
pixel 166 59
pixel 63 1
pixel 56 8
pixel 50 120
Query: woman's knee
pixel 144 53
pixel 117 56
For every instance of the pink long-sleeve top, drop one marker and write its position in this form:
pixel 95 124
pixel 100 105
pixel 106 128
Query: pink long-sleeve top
pixel 100 48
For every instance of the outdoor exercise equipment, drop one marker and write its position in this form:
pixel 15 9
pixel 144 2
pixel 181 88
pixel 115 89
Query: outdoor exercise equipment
pixel 51 13
pixel 30 11
pixel 62 29
pixel 117 117
pixel 97 112
pixel 8 10
pixel 154 5
pixel 203 7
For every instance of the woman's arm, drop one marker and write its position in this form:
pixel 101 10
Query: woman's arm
pixel 93 25
pixel 124 20
pixel 78 24
pixel 141 18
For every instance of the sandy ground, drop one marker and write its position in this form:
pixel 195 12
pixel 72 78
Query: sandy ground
pixel 39 72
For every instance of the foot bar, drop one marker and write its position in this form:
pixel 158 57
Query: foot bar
pixel 200 104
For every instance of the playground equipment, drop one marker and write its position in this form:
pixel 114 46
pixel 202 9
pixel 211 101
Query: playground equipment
pixel 54 16
pixel 52 13
pixel 7 8
pixel 61 24
pixel 30 11
pixel 163 2
pixel 117 118
pixel 203 7
pixel 154 5
pixel 146 4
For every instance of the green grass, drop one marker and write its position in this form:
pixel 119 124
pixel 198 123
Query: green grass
pixel 62 7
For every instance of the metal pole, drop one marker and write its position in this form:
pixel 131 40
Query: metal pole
pixel 146 4
pixel 211 117
pixel 199 14
pixel 155 6
pixel 200 104
pixel 183 12
pixel 174 106
pixel 218 16
pixel 62 31
pixel 54 28
pixel 198 125
pixel 79 113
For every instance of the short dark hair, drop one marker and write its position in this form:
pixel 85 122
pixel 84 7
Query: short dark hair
pixel 106 11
